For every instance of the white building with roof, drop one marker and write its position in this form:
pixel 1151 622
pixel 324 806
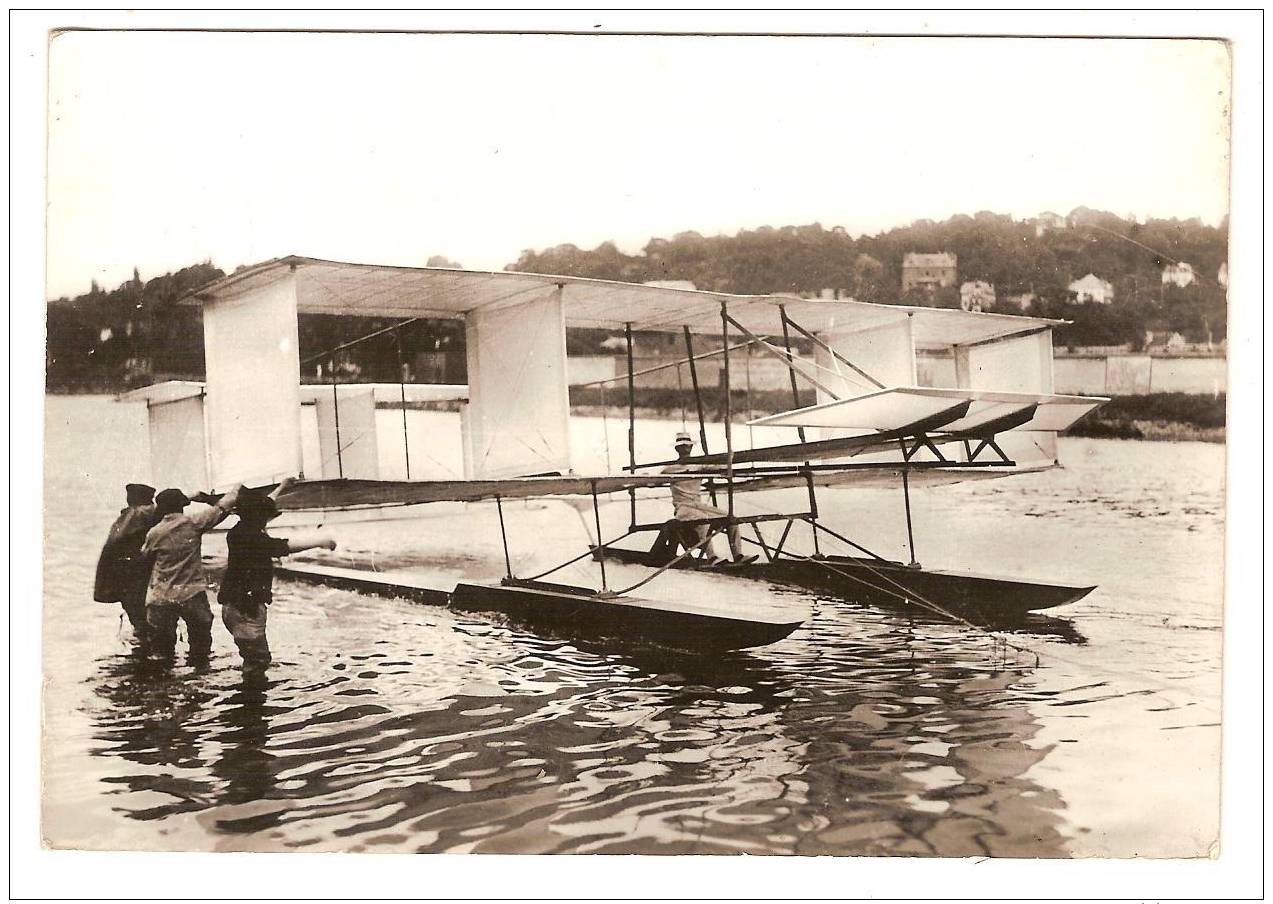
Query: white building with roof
pixel 1091 288
pixel 976 295
pixel 1049 220
pixel 1178 274
pixel 928 271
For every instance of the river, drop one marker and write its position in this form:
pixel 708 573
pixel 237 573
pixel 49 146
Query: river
pixel 390 726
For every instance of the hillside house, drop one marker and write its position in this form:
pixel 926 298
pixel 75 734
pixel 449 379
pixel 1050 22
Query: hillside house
pixel 928 271
pixel 976 295
pixel 1091 288
pixel 1047 221
pixel 1178 274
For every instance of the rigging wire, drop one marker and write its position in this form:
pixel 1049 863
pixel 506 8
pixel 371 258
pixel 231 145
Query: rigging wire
pixel 912 597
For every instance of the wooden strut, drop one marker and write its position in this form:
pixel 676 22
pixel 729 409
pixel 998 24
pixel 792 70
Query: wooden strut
pixel 627 333
pixel 725 321
pixel 402 395
pixel 596 516
pixel 503 535
pixel 698 396
pixel 340 465
pixel 906 496
pixel 823 345
pixel 698 401
pixel 795 398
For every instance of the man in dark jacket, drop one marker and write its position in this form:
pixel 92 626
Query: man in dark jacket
pixel 248 586
pixel 122 573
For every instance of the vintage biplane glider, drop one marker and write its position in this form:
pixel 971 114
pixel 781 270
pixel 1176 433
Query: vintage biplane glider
pixel 872 425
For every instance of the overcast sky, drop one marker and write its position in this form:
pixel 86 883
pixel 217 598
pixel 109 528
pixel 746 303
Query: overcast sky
pixel 166 149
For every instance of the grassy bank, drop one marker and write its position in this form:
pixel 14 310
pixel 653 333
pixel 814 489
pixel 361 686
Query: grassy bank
pixel 1158 416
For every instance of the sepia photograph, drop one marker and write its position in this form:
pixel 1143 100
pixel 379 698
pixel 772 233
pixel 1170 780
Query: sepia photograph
pixel 552 442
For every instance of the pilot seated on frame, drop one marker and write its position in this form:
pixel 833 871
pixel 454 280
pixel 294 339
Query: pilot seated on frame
pixel 688 505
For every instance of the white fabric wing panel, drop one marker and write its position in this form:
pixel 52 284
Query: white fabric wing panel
pixel 891 409
pixel 517 422
pixel 253 376
pixel 347 435
pixel 178 449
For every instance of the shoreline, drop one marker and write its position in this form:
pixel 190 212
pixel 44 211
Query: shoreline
pixel 1160 417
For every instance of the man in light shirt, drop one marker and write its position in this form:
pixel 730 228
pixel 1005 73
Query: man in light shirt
pixel 178 585
pixel 688 505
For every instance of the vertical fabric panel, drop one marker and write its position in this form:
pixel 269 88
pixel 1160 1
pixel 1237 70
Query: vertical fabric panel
pixel 253 403
pixel 519 409
pixel 311 450
pixel 887 353
pixel 178 447
pixel 359 452
pixel 1022 364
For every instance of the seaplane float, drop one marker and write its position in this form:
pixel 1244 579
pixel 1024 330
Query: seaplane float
pixel 870 425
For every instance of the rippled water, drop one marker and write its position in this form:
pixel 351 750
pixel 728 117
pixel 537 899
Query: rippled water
pixel 387 725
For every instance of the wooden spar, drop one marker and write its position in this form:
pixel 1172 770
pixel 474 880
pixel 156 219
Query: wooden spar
pixel 503 535
pixel 725 320
pixel 627 333
pixel 795 398
pixel 402 394
pixel 596 516
pixel 839 357
pixel 769 349
pixel 698 396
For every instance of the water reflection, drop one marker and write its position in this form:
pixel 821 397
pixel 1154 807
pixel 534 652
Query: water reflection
pixel 867 735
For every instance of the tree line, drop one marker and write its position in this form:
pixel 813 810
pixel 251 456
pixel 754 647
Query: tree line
pixel 136 333
pixel 992 247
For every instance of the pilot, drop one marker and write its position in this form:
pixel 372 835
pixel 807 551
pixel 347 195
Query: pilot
pixel 688 505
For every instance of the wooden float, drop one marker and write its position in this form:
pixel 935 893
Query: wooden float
pixel 984 598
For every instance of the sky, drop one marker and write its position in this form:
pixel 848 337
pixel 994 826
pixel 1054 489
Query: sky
pixel 167 148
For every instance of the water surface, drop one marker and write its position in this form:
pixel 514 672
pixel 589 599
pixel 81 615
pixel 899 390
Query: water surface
pixel 390 726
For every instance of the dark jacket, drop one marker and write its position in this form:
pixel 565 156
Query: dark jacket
pixel 121 571
pixel 248 584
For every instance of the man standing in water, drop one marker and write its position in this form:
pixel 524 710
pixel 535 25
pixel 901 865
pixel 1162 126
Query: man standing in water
pixel 688 505
pixel 178 585
pixel 122 573
pixel 248 588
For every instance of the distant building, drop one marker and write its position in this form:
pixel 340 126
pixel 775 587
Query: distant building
pixel 1180 274
pixel 1021 300
pixel 928 271
pixel 1091 288
pixel 976 295
pixel 1049 220
pixel 1222 275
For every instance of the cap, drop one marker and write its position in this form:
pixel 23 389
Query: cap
pixel 683 439
pixel 255 506
pixel 172 500
pixel 139 493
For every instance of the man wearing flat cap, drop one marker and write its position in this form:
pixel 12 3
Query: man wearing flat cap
pixel 178 585
pixel 122 573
